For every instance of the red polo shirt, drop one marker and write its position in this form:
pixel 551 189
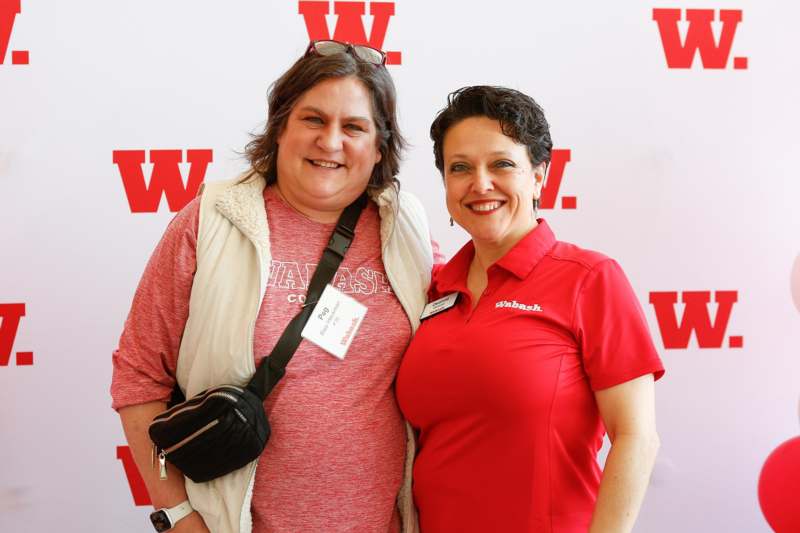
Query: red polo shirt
pixel 503 394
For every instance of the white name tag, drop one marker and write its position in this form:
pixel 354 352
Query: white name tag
pixel 437 306
pixel 334 322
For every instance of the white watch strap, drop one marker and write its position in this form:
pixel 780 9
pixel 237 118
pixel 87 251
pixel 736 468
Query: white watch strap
pixel 178 512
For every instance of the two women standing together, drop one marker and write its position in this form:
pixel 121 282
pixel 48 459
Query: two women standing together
pixel 539 347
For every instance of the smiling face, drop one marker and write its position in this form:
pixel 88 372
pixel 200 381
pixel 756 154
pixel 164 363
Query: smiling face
pixel 490 182
pixel 328 148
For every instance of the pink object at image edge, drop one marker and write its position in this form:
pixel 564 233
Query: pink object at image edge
pixel 794 283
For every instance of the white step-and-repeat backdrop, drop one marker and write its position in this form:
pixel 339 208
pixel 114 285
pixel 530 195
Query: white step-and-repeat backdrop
pixel 677 128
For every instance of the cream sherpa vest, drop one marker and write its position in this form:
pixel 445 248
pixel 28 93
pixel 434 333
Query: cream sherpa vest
pixel 233 260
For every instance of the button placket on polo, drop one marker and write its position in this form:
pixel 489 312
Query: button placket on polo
pixel 493 275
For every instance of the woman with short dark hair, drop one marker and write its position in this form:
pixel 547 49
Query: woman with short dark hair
pixel 230 273
pixel 538 349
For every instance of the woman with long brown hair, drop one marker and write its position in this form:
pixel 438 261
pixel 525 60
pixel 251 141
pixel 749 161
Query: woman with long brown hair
pixel 232 270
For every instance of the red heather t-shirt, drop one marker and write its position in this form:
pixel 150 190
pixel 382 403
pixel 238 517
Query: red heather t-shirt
pixel 335 458
pixel 503 394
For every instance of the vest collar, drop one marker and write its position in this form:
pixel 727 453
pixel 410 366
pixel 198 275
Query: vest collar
pixel 243 205
pixel 387 202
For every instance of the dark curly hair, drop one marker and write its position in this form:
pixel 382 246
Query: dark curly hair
pixel 520 117
pixel 309 70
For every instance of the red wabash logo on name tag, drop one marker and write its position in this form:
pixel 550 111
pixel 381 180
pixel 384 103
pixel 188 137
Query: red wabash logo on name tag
pixel 350 23
pixel 699 37
pixel 165 179
pixel 9 9
pixel 10 316
pixel 696 317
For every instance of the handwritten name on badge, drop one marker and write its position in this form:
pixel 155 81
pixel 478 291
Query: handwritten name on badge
pixel 334 322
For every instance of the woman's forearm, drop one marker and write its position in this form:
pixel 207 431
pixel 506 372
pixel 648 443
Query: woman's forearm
pixel 625 479
pixel 135 421
pixel 163 492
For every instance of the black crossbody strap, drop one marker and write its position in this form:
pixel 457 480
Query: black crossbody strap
pixel 273 367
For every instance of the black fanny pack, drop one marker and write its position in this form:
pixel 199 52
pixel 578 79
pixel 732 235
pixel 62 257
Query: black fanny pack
pixel 224 428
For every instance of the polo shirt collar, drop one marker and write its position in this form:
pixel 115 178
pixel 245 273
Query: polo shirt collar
pixel 527 253
pixel 519 261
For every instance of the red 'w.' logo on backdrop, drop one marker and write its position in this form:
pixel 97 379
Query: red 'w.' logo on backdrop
pixel 555 176
pixel 135 481
pixel 699 37
pixel 350 23
pixel 10 316
pixel 165 179
pixel 9 9
pixel 696 317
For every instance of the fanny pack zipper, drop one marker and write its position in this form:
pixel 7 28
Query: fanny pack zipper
pixel 162 454
pixel 200 402
pixel 190 437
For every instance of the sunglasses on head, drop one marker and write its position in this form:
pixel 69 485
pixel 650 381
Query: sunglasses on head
pixel 362 52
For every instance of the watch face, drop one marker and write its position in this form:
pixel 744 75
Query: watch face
pixel 160 521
